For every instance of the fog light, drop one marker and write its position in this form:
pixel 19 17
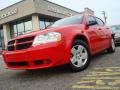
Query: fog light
pixel 38 62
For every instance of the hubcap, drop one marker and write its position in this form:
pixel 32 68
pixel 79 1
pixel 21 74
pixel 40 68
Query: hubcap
pixel 79 56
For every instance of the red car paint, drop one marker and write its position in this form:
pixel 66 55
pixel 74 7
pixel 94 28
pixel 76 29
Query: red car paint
pixel 57 53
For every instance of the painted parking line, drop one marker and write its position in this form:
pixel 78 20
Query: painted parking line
pixel 105 78
pixel 116 82
pixel 82 82
pixel 104 74
pixel 107 68
pixel 95 87
pixel 99 78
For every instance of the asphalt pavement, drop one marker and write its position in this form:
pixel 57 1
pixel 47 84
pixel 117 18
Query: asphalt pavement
pixel 102 74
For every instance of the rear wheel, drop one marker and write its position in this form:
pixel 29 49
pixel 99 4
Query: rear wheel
pixel 112 48
pixel 80 56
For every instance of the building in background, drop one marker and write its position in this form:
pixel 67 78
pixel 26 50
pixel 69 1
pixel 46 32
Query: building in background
pixel 27 16
pixel 88 11
pixel 30 15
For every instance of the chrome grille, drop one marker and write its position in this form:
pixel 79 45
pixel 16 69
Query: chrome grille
pixel 19 44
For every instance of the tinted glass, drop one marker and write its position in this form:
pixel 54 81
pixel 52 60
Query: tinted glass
pixel 28 26
pixel 100 22
pixel 69 21
pixel 47 23
pixel 42 25
pixel 90 19
pixel 2 46
pixel 15 28
pixel 0 40
pixel 19 28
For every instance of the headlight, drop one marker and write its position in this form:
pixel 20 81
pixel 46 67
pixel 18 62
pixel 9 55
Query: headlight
pixel 47 38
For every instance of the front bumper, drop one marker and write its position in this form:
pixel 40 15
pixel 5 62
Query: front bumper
pixel 42 56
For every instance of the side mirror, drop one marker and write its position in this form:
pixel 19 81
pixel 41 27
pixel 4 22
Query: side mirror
pixel 92 23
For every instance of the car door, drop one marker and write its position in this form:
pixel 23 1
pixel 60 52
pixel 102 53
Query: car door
pixel 94 33
pixel 105 35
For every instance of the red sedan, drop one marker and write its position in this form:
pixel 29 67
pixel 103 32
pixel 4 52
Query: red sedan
pixel 71 41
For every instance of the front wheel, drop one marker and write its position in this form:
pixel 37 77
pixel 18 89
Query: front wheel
pixel 80 56
pixel 112 48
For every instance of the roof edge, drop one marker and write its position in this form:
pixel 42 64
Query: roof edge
pixel 12 5
pixel 62 6
pixel 44 0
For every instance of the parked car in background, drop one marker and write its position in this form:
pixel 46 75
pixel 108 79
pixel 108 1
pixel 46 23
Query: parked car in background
pixel 116 31
pixel 71 41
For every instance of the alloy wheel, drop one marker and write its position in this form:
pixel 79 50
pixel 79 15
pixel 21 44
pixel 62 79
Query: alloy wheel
pixel 79 55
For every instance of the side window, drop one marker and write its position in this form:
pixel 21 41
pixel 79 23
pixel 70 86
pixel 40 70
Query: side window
pixel 100 22
pixel 90 19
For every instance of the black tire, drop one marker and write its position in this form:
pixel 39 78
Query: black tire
pixel 30 70
pixel 75 68
pixel 112 47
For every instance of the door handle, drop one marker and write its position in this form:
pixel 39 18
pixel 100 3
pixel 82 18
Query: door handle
pixel 100 29
pixel 107 35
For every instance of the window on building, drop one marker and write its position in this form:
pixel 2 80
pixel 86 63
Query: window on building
pixel 20 28
pixel 45 22
pixel 2 46
pixel 28 26
pixel 15 28
pixel 42 24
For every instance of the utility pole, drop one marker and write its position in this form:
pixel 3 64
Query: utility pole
pixel 104 15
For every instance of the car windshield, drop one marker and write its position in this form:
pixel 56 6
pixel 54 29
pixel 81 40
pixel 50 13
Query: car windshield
pixel 68 21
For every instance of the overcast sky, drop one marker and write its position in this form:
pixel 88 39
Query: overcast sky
pixel 112 7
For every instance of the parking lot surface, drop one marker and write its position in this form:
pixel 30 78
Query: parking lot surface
pixel 102 74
